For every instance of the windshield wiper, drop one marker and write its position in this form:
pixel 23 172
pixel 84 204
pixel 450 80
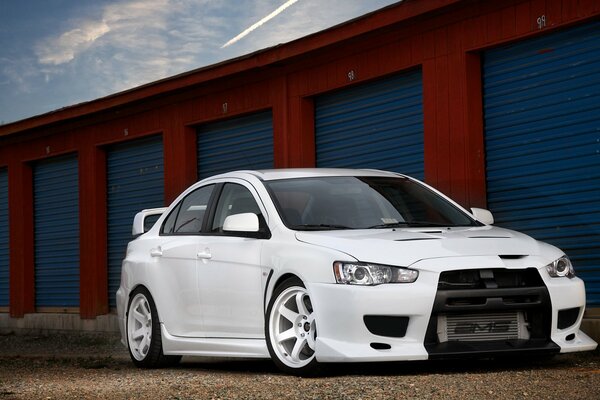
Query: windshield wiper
pixel 392 225
pixel 319 227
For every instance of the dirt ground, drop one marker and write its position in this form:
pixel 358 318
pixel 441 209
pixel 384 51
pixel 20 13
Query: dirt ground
pixel 89 367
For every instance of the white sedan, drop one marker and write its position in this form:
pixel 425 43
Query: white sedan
pixel 310 266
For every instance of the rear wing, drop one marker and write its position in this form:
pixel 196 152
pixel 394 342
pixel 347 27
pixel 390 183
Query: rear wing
pixel 142 223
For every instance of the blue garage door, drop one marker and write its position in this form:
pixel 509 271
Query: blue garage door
pixel 542 124
pixel 56 219
pixel 3 238
pixel 238 143
pixel 135 181
pixel 375 125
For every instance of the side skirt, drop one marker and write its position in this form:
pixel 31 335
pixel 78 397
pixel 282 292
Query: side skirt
pixel 213 347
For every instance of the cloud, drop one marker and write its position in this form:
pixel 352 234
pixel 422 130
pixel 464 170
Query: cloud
pixel 63 48
pixel 130 43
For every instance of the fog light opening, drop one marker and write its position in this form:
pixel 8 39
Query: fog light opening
pixel 380 346
pixel 570 337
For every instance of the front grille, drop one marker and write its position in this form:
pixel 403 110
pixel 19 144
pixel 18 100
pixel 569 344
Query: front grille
pixel 482 327
pixel 480 312
pixel 489 278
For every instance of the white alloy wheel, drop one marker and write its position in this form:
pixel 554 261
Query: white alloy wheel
pixel 139 327
pixel 292 328
pixel 143 332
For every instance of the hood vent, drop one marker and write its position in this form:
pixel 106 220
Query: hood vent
pixel 414 239
pixel 512 256
pixel 490 237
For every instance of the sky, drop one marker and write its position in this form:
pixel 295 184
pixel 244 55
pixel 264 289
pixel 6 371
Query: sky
pixel 56 53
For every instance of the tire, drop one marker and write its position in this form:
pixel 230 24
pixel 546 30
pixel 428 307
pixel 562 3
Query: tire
pixel 144 340
pixel 290 329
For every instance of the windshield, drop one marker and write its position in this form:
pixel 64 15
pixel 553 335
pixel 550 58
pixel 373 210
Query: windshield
pixel 327 203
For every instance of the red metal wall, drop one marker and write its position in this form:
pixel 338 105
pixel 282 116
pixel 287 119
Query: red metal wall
pixel 443 37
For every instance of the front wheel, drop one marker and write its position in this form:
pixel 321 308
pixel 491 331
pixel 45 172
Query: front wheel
pixel 291 329
pixel 143 332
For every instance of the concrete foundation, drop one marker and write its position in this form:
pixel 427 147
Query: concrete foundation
pixel 591 323
pixel 44 323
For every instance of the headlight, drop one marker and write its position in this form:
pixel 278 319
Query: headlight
pixel 372 274
pixel 561 267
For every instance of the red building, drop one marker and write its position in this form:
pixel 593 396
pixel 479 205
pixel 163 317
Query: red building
pixel 495 103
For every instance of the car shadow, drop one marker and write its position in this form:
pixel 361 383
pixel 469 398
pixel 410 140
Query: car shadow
pixel 405 368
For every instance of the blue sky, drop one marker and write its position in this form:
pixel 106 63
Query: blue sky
pixel 55 53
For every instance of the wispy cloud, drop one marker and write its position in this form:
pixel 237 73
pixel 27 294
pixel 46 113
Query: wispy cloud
pixel 131 43
pixel 264 20
pixel 62 49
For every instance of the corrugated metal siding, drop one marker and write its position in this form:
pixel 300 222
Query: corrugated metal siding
pixel 375 125
pixel 239 143
pixel 542 124
pixel 135 181
pixel 56 219
pixel 4 267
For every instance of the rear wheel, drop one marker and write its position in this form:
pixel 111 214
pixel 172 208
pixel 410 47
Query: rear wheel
pixel 291 329
pixel 143 332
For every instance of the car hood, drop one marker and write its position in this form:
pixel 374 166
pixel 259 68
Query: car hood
pixel 407 246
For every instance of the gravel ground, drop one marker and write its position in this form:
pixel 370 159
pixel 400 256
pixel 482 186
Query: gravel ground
pixel 82 367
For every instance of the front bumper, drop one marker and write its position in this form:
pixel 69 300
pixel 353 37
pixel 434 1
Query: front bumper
pixel 344 337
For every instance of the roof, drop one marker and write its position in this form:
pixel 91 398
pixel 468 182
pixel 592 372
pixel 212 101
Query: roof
pixel 292 173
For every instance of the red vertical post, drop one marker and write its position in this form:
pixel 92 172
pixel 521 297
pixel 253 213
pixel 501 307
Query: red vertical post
pixel 475 144
pixel 301 132
pixel 180 158
pixel 430 121
pixel 93 273
pixel 20 209
pixel 281 128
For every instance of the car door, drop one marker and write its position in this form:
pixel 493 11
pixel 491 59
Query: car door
pixel 231 277
pixel 176 253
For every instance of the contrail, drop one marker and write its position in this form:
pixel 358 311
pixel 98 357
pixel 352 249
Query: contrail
pixel 262 21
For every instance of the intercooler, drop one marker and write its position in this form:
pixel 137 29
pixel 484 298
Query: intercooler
pixel 482 327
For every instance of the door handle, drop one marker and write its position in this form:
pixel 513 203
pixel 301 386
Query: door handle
pixel 205 255
pixel 157 252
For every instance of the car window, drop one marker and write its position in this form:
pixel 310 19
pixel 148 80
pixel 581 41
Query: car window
pixel 234 199
pixel 189 214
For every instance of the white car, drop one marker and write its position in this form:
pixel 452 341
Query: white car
pixel 310 266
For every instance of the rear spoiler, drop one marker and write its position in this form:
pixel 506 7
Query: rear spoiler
pixel 139 221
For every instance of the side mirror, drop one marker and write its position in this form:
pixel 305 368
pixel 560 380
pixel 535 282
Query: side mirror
pixel 141 221
pixel 482 215
pixel 246 222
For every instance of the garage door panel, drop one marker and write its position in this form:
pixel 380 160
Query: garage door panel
pixel 374 125
pixel 567 127
pixel 235 144
pixel 553 112
pixel 56 233
pixel 135 181
pixel 541 102
pixel 581 134
pixel 545 85
pixel 385 111
pixel 518 56
pixel 547 179
pixel 382 125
